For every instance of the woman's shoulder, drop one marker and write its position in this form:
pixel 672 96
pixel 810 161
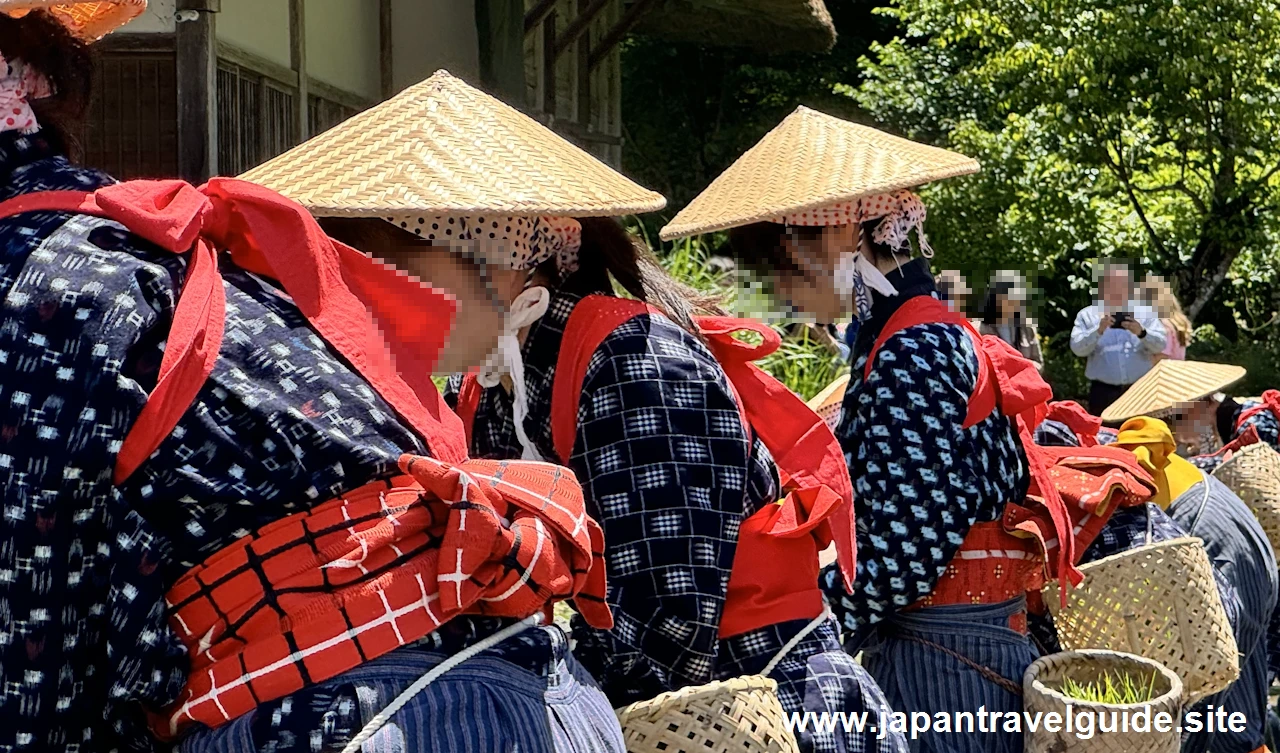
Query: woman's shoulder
pixel 52 231
pixel 940 349
pixel 645 331
pixel 93 270
pixel 940 339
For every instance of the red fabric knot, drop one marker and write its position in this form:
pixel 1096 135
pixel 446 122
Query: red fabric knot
pixel 387 325
pixel 1081 422
pixel 820 493
pixel 311 596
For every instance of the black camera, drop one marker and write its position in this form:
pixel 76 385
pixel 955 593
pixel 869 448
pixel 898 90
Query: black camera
pixel 1118 319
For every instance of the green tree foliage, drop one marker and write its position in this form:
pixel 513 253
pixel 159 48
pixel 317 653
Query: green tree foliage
pixel 1145 129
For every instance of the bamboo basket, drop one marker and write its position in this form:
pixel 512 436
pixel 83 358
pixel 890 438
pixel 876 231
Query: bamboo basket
pixel 1158 601
pixel 1253 473
pixel 742 715
pixel 1040 694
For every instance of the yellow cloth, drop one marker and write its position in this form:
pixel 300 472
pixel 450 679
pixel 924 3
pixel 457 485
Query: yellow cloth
pixel 1150 440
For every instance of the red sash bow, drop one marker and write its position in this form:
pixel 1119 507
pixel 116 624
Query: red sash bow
pixel 389 327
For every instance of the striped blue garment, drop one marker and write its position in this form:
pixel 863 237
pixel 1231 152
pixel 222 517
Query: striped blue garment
pixel 916 677
pixel 816 675
pixel 488 704
pixel 1240 550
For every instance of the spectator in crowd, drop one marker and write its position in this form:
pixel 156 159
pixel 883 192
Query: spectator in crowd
pixel 953 289
pixel 1005 316
pixel 1156 293
pixel 1118 335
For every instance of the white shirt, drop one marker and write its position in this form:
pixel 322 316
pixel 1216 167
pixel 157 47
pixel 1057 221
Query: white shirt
pixel 1117 356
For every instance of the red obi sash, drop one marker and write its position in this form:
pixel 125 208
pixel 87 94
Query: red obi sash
pixel 311 596
pixel 315 594
pixel 818 506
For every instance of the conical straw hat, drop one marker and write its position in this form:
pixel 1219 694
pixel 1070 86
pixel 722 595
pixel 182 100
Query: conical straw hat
pixel 444 147
pixel 1170 383
pixel 812 160
pixel 828 403
pixel 89 20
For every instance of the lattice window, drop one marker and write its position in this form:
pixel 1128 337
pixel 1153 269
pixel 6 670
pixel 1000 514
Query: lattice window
pixel 132 127
pixel 256 118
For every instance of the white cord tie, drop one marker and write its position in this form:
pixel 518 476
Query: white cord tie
pixel 505 360
pixel 384 716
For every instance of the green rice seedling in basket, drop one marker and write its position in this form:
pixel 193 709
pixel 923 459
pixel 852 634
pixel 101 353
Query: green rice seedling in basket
pixel 1112 688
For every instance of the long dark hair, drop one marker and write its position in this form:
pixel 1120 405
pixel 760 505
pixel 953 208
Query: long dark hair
pixel 42 42
pixel 991 309
pixel 611 253
pixel 760 245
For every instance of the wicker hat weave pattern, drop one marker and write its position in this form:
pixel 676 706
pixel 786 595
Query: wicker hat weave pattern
pixel 89 20
pixel 811 160
pixel 443 147
pixel 1170 383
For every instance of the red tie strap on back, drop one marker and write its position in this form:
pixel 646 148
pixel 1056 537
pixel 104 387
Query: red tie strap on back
pixel 370 313
pixel 1011 383
pixel 1080 421
pixel 606 315
pixel 804 449
pixel 1270 402
pixel 802 444
pixel 468 403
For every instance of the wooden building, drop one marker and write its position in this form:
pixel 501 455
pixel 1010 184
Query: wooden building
pixel 213 87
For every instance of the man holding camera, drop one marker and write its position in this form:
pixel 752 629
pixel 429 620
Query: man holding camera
pixel 1119 336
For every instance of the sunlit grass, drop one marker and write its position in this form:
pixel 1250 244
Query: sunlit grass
pixel 805 363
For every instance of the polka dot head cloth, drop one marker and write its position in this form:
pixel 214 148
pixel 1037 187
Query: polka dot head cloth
pixel 902 212
pixel 502 241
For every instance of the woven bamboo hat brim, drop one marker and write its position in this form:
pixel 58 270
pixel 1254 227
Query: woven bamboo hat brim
pixel 1170 383
pixel 88 20
pixel 443 147
pixel 811 160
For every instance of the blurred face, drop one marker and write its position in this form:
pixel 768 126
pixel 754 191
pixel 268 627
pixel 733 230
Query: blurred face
pixel 1117 288
pixel 811 288
pixel 1008 306
pixel 1192 424
pixel 482 307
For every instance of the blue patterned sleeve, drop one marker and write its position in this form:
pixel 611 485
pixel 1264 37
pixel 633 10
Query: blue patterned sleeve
pixel 920 479
pixel 1266 423
pixel 667 469
pixel 79 577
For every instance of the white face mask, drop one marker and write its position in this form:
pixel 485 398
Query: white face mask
pixel 854 274
pixel 505 360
